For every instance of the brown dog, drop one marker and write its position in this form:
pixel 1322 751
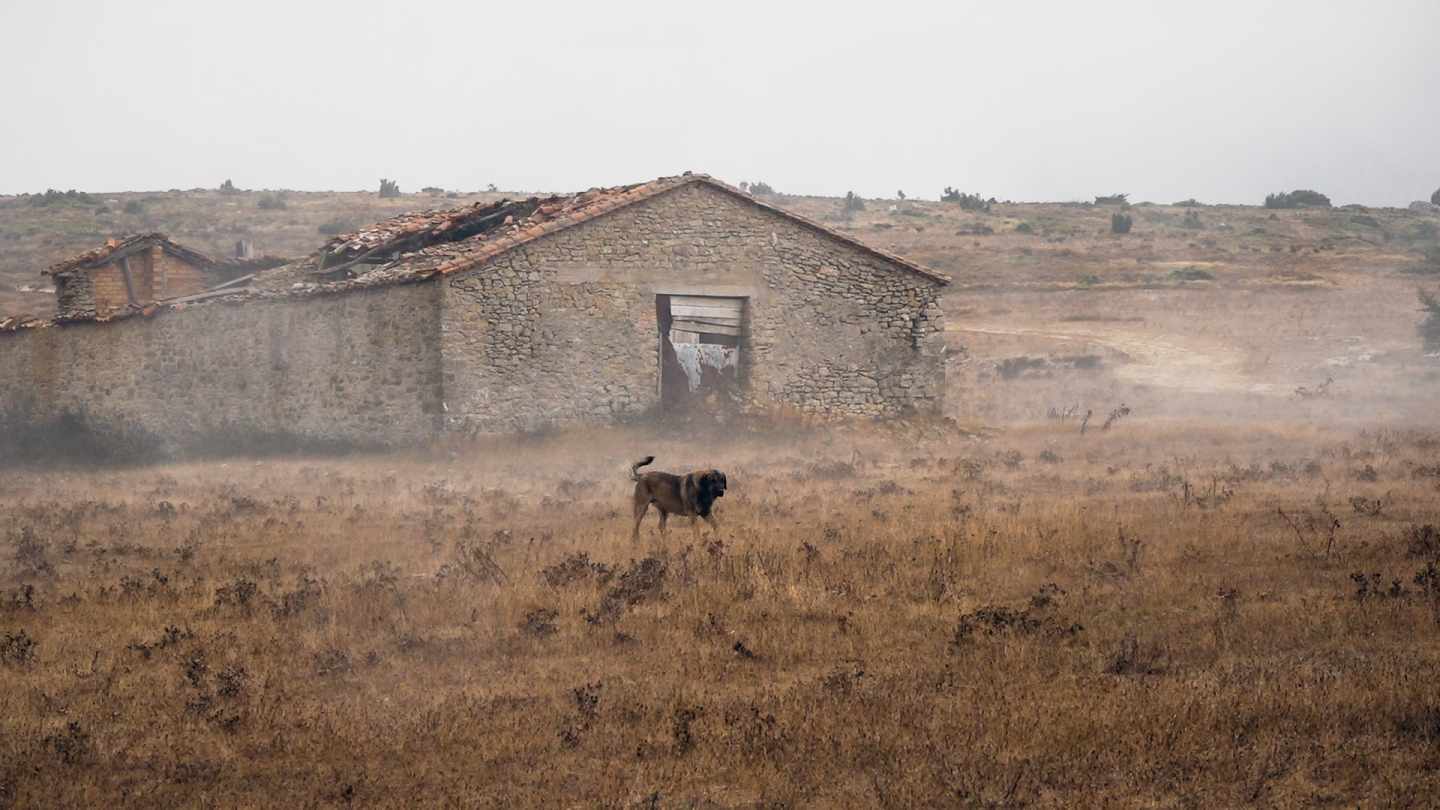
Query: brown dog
pixel 692 495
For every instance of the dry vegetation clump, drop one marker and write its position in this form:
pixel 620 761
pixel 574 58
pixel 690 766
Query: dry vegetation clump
pixel 1182 616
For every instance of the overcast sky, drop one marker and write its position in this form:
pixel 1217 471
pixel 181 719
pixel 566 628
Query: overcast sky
pixel 1028 101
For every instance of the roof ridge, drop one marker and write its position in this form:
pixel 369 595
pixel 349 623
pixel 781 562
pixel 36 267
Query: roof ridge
pixel 489 249
pixel 101 255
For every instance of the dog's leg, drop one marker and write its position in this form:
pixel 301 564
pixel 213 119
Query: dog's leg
pixel 714 527
pixel 642 505
pixel 664 518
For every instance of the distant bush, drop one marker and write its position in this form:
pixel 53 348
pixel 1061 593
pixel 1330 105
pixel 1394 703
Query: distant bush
pixel 1430 327
pixel 1299 198
pixel 271 202
pixel 53 197
pixel 1430 265
pixel 1112 199
pixel 1435 198
pixel 1120 223
pixel 389 188
pixel 1426 231
pixel 228 187
pixel 1191 220
pixel 134 207
pixel 901 194
pixel 433 190
pixel 334 228
pixel 853 202
pixel 1024 227
pixel 1191 274
pixel 967 202
pixel 1190 203
pixel 758 188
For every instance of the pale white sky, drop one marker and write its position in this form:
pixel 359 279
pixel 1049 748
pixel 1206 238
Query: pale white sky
pixel 1224 101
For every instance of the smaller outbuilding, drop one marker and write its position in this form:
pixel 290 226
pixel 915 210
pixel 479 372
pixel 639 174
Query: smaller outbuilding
pixel 136 271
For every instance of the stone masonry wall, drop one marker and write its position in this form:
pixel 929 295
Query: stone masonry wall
pixel 564 330
pixel 358 368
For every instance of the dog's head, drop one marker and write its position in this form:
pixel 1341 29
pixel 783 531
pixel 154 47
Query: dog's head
pixel 708 486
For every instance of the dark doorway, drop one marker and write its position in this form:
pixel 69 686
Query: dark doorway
pixel 700 350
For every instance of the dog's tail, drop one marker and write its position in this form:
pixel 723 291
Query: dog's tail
pixel 635 468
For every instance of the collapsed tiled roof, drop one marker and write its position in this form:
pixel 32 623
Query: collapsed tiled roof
pixel 116 249
pixel 417 246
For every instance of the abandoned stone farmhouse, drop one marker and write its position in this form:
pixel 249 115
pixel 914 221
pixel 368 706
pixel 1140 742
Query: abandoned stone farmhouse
pixel 508 316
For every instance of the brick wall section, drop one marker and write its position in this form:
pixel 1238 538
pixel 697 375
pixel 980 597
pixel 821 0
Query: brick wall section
pixel 361 368
pixel 108 285
pixel 563 330
pixel 175 277
pixel 154 274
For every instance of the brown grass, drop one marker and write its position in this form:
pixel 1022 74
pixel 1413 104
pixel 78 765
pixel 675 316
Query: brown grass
pixel 1160 617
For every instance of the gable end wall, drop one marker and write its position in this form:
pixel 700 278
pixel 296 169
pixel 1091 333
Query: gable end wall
pixel 563 330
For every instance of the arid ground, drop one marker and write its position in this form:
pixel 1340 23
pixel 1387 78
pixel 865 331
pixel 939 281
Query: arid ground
pixel 1158 614
pixel 1228 597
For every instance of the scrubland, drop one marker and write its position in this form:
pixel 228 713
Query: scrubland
pixel 1161 614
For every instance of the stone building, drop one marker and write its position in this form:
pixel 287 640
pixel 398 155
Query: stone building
pixel 517 315
pixel 132 272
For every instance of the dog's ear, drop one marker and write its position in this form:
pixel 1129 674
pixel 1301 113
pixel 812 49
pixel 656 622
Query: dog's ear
pixel 689 490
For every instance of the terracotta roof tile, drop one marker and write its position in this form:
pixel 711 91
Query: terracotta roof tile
pixel 114 248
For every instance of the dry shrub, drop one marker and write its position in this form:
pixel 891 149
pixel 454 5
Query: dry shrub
pixel 539 623
pixel 17 648
pixel 1134 657
pixel 576 567
pixel 1422 541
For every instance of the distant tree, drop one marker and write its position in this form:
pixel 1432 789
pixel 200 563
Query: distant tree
pixel 901 194
pixel 1112 199
pixel 853 203
pixel 389 188
pixel 1435 198
pixel 1299 198
pixel 433 190
pixel 1120 223
pixel 967 202
pixel 491 188
pixel 1190 203
pixel 271 202
pixel 757 188
pixel 228 187
pixel 1430 327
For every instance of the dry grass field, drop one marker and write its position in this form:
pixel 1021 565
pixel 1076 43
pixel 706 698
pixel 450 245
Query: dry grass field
pixel 1161 614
